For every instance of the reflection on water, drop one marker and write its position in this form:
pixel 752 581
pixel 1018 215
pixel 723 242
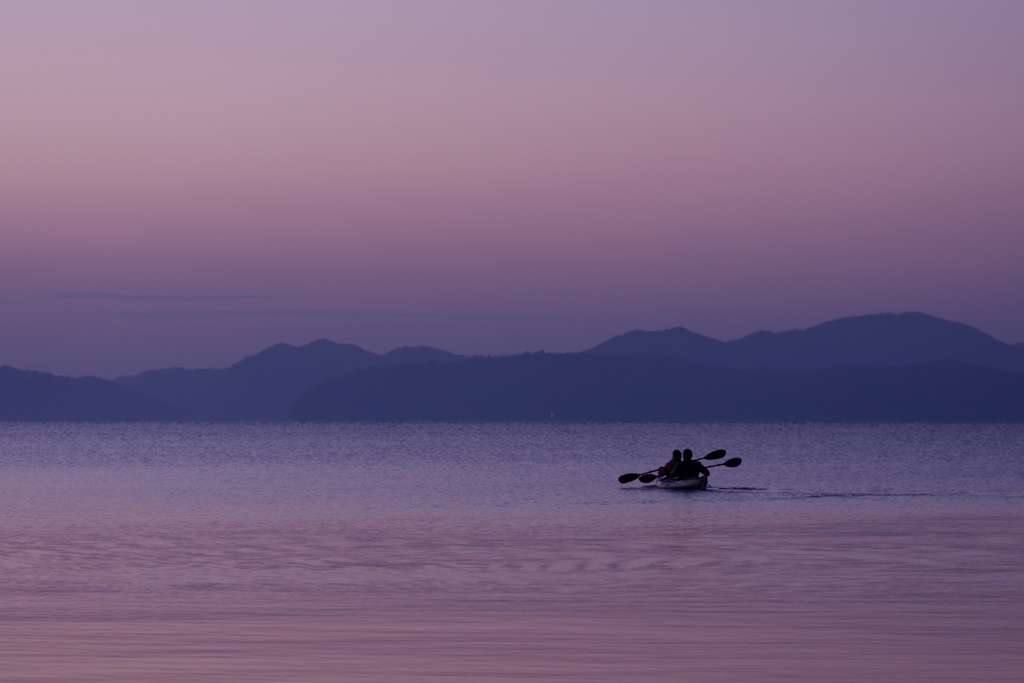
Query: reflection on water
pixel 497 552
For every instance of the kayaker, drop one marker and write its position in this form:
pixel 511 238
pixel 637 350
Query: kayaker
pixel 688 468
pixel 668 468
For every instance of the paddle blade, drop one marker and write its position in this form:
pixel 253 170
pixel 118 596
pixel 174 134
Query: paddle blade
pixel 647 478
pixel 714 455
pixel 734 462
pixel 626 478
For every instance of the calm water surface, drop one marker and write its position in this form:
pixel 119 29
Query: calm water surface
pixel 410 552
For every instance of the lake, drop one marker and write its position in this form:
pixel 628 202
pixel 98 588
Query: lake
pixel 504 552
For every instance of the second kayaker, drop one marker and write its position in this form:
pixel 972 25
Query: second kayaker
pixel 689 468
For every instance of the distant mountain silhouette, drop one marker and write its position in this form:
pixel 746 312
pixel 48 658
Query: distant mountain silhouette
pixel 262 387
pixel 884 339
pixel 899 367
pixel 589 387
pixel 41 397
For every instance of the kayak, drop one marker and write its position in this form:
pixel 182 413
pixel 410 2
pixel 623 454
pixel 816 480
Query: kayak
pixel 688 484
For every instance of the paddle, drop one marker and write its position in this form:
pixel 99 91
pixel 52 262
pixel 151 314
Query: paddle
pixel 714 455
pixel 626 478
pixel 731 462
pixel 647 477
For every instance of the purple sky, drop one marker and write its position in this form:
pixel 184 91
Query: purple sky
pixel 188 182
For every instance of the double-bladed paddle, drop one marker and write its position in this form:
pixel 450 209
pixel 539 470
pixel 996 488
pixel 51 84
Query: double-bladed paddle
pixel 626 478
pixel 647 477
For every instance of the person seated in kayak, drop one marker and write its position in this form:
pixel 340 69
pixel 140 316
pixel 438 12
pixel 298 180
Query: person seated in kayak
pixel 670 466
pixel 683 466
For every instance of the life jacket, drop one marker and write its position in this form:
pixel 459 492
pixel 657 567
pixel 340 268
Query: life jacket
pixel 673 468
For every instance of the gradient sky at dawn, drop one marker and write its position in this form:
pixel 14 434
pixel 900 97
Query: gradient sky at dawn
pixel 188 182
